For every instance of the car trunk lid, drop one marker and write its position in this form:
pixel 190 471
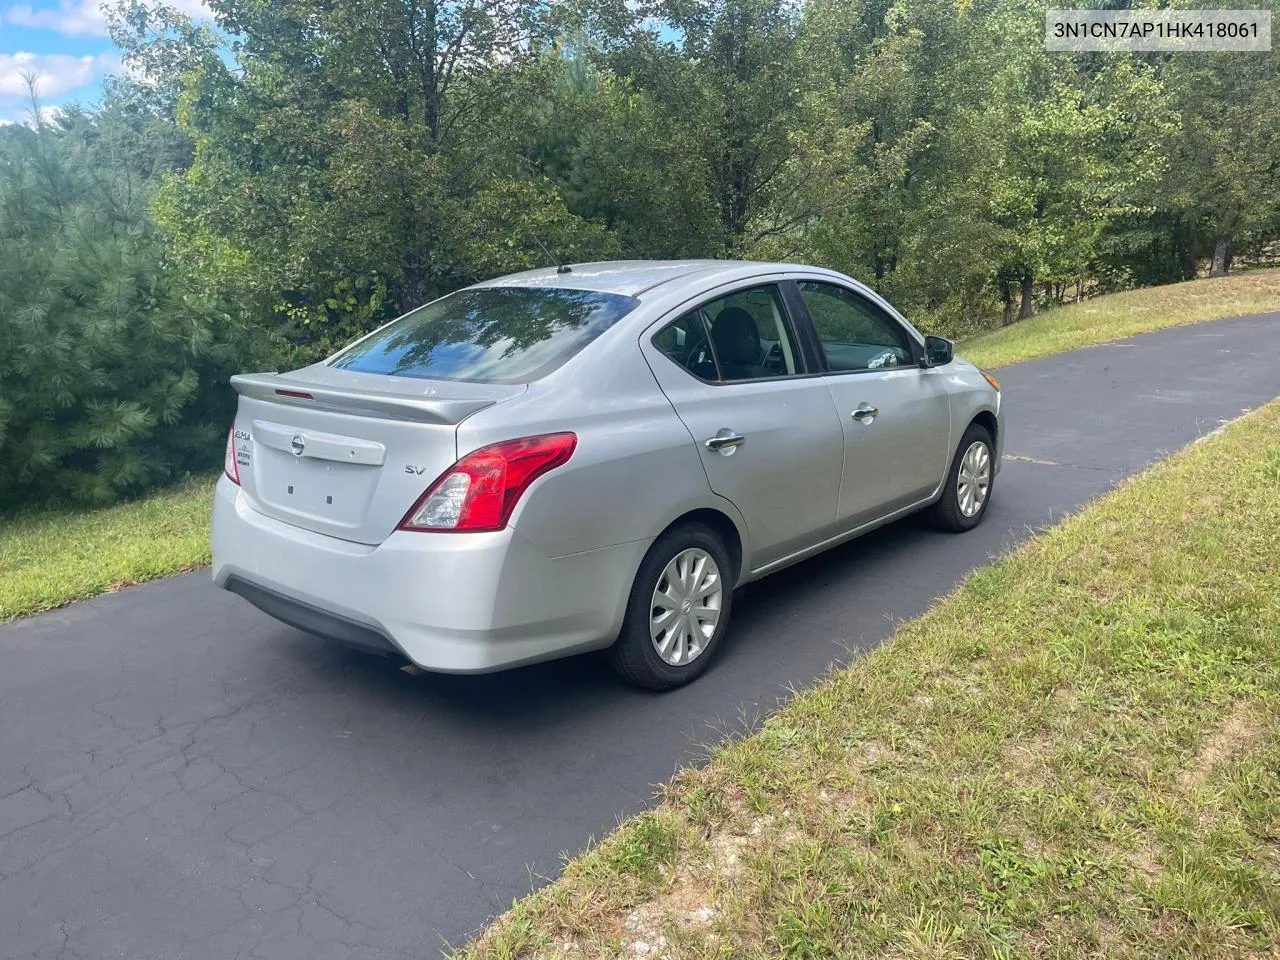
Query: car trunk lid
pixel 345 453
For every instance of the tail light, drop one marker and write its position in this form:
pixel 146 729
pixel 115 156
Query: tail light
pixel 229 458
pixel 480 491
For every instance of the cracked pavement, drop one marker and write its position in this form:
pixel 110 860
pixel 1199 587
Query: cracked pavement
pixel 183 777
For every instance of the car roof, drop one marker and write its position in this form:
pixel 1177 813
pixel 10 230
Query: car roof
pixel 634 277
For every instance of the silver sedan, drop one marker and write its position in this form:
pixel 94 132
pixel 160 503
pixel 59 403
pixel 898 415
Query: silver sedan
pixel 592 457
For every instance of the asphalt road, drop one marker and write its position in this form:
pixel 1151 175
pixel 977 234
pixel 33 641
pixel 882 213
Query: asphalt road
pixel 182 777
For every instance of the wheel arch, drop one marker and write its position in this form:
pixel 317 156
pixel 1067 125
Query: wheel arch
pixel 987 419
pixel 725 528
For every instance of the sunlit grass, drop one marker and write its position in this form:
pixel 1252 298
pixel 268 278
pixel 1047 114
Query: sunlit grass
pixel 48 558
pixel 1121 315
pixel 1076 754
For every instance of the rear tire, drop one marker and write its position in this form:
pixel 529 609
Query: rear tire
pixel 965 498
pixel 678 611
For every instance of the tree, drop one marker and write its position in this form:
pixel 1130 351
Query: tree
pixel 367 116
pixel 617 155
pixel 1221 144
pixel 897 195
pixel 105 368
pixel 732 90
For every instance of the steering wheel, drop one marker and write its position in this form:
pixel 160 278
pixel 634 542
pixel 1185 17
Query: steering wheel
pixel 699 360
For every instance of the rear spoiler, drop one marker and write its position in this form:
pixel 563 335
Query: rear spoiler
pixel 366 403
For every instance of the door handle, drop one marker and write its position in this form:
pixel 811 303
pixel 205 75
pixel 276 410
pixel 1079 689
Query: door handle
pixel 724 440
pixel 866 413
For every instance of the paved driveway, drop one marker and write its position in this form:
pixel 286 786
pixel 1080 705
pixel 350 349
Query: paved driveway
pixel 182 777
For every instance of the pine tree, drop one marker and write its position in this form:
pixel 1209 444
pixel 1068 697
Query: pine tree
pixel 111 381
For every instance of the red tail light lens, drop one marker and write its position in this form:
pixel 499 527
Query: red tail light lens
pixel 229 458
pixel 480 491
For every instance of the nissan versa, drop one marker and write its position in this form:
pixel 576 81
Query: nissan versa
pixel 592 457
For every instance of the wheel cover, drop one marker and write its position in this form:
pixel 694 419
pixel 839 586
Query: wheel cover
pixel 686 607
pixel 974 479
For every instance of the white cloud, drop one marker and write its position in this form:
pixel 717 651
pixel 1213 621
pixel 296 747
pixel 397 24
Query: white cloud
pixel 73 19
pixel 27 119
pixel 56 73
pixel 80 18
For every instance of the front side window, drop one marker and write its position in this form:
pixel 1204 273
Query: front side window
pixel 855 333
pixel 742 336
pixel 490 334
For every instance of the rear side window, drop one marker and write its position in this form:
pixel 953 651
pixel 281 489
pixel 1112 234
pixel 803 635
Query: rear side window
pixel 489 335
pixel 742 336
pixel 687 343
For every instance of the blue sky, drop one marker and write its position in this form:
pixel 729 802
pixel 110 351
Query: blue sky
pixel 65 43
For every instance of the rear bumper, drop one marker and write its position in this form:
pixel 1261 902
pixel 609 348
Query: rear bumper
pixel 312 619
pixel 454 603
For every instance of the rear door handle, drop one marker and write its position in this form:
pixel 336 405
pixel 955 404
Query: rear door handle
pixel 725 439
pixel 866 413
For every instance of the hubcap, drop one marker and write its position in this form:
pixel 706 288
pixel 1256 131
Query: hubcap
pixel 686 607
pixel 974 479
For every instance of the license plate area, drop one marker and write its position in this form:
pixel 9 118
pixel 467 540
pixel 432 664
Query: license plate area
pixel 329 491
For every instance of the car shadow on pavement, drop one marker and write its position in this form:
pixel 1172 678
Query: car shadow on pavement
pixel 795 623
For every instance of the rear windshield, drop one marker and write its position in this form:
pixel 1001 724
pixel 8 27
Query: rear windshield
pixel 491 335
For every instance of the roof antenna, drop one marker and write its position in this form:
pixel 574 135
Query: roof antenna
pixel 560 267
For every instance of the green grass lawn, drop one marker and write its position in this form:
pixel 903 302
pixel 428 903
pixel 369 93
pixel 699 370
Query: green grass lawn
pixel 48 558
pixel 1121 315
pixel 51 558
pixel 1076 754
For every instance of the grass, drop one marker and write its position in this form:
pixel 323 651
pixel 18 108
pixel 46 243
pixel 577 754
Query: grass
pixel 51 557
pixel 1121 315
pixel 1076 754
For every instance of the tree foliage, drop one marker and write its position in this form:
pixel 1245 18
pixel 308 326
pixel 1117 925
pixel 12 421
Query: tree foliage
pixel 102 357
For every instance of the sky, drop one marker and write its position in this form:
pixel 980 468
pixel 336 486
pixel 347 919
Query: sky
pixel 65 43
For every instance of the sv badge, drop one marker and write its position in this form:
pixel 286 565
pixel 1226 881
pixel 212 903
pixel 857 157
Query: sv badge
pixel 410 468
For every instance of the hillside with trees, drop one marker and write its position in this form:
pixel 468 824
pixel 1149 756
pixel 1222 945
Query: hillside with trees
pixel 260 190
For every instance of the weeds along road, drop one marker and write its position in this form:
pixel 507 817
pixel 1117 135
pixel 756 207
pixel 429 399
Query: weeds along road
pixel 181 776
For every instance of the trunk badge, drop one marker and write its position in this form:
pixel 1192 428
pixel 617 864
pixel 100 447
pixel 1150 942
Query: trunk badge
pixel 297 444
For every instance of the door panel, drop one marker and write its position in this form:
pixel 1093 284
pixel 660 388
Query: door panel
pixel 898 456
pixel 784 477
pixel 895 414
pixel 768 437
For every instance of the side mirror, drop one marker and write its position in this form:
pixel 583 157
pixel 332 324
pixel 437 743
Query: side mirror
pixel 938 351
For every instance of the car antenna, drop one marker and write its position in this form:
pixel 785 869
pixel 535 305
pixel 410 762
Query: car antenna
pixel 560 267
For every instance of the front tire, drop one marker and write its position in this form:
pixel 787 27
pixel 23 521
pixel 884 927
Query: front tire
pixel 678 611
pixel 967 491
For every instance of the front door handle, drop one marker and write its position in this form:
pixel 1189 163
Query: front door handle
pixel 724 440
pixel 866 413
